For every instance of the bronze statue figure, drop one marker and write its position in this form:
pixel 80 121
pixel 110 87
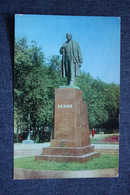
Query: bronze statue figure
pixel 71 59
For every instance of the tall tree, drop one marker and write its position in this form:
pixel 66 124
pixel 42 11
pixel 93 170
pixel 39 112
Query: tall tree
pixel 31 85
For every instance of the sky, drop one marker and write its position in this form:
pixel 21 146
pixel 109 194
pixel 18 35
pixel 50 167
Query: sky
pixel 98 37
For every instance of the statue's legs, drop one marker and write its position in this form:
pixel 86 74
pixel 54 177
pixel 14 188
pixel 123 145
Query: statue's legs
pixel 71 71
pixel 68 64
pixel 72 75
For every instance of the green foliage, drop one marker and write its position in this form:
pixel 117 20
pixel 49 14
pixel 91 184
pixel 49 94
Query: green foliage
pixel 15 138
pixel 103 162
pixel 102 101
pixel 32 103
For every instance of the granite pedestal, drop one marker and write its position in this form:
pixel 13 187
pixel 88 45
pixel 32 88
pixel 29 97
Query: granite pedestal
pixel 71 132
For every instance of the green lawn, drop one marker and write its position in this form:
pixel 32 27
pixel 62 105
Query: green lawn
pixel 103 162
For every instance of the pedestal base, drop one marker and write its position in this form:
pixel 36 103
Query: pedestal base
pixel 70 154
pixel 71 141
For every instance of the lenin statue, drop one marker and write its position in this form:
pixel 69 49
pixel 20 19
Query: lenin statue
pixel 71 59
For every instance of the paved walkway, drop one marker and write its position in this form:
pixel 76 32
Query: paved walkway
pixel 46 174
pixel 22 150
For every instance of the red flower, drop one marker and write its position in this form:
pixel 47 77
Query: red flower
pixel 111 139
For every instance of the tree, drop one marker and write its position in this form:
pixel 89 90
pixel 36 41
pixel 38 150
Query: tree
pixel 102 101
pixel 31 86
pixel 112 106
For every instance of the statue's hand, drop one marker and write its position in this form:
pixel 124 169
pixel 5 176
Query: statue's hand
pixel 79 64
pixel 63 46
pixel 62 50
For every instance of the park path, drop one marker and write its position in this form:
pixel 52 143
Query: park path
pixel 22 150
pixel 52 174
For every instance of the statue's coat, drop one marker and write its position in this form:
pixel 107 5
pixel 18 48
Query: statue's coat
pixel 76 57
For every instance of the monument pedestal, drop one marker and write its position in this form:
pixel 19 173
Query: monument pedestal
pixel 71 132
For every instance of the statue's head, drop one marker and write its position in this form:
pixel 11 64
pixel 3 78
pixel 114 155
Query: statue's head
pixel 69 36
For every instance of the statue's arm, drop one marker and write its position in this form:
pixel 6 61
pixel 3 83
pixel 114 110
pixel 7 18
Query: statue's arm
pixel 62 49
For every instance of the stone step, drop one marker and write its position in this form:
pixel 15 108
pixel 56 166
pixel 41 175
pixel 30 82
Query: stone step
pixel 70 151
pixel 61 158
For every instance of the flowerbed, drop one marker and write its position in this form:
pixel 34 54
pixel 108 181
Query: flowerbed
pixel 108 140
pixel 111 139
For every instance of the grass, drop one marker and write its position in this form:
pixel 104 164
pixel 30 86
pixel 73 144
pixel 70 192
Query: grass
pixel 103 162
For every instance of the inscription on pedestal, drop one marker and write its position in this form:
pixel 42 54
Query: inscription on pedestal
pixel 64 106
